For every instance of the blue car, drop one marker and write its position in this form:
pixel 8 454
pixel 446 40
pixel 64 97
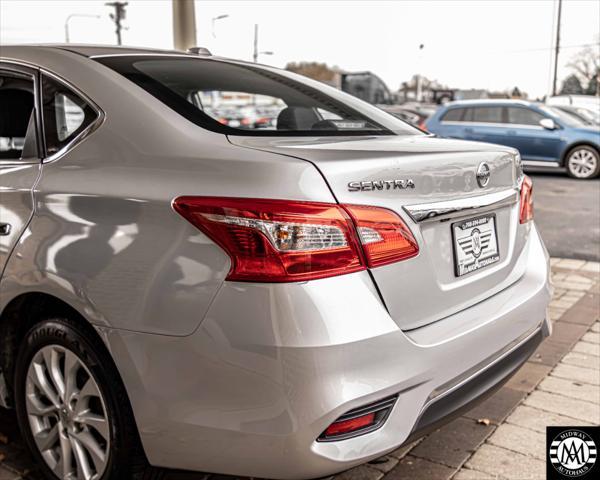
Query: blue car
pixel 544 135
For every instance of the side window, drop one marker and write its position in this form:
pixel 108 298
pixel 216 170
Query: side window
pixel 17 119
pixel 487 114
pixel 65 113
pixel 453 115
pixel 524 116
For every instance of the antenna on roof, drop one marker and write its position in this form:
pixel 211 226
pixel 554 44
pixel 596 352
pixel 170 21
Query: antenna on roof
pixel 199 51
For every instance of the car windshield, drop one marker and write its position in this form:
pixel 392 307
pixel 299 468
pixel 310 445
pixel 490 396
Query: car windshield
pixel 566 118
pixel 241 99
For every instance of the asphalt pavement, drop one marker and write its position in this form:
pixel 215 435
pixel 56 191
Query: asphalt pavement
pixel 567 213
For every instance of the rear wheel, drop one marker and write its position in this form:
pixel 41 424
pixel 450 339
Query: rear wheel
pixel 583 162
pixel 71 406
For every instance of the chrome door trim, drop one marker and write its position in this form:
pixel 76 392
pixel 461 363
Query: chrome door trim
pixel 423 212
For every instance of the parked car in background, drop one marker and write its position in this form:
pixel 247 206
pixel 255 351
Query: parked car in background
pixel 586 115
pixel 414 113
pixel 590 102
pixel 278 302
pixel 545 136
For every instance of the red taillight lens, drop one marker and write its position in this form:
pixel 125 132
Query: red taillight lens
pixel 526 207
pixel 277 240
pixel 385 238
pixel 284 241
pixel 348 426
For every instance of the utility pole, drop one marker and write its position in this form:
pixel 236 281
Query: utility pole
pixel 554 92
pixel 184 24
pixel 117 17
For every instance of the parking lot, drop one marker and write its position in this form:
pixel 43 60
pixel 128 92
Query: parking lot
pixel 567 215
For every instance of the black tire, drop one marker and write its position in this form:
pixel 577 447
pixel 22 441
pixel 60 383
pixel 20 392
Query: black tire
pixel 587 151
pixel 125 456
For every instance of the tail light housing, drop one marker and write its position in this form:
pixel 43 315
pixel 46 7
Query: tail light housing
pixel 286 241
pixel 385 238
pixel 526 205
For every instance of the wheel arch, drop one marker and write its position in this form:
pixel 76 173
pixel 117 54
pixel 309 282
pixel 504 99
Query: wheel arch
pixel 17 318
pixel 569 148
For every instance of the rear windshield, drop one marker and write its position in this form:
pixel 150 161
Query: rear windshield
pixel 242 99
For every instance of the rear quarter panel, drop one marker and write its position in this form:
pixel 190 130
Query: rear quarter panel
pixel 105 238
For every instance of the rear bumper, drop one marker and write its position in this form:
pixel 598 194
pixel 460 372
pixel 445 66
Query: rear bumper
pixel 271 366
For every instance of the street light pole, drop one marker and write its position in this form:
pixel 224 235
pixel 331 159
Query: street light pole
pixel 557 48
pixel 256 53
pixel 118 16
pixel 69 17
pixel 419 79
pixel 214 19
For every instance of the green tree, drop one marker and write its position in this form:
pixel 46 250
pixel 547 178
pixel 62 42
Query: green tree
pixel 571 86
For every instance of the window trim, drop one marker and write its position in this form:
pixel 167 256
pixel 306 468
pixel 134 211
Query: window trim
pixel 81 136
pixel 31 72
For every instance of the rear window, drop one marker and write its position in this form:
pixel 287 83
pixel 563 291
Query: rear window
pixel 242 99
pixel 453 115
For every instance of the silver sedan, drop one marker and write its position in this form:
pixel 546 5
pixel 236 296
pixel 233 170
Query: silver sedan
pixel 220 266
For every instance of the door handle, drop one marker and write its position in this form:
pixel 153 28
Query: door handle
pixel 5 228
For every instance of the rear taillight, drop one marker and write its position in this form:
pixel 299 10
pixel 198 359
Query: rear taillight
pixel 526 206
pixel 275 240
pixel 286 241
pixel 385 238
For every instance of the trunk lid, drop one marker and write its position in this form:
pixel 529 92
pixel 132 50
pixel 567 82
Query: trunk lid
pixel 432 184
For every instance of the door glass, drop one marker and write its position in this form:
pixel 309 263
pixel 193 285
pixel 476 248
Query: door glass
pixel 16 111
pixel 487 114
pixel 523 116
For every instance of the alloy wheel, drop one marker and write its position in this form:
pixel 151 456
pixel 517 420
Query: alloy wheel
pixel 582 163
pixel 67 415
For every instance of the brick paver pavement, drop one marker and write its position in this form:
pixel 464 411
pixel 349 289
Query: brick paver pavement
pixel 504 437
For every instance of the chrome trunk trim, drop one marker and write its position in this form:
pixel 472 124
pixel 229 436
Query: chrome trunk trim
pixel 423 212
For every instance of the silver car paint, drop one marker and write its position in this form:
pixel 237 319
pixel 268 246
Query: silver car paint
pixel 441 170
pixel 241 378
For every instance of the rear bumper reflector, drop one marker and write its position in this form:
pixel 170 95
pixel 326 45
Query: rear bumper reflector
pixel 359 421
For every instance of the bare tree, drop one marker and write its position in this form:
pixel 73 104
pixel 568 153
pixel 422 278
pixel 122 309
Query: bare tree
pixel 586 65
pixel 315 70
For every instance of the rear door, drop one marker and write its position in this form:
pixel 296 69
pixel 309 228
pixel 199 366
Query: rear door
pixel 486 124
pixel 20 161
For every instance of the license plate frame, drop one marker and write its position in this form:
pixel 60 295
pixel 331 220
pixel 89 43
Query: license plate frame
pixel 475 251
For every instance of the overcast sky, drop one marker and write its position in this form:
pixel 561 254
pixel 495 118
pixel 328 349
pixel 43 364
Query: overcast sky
pixel 470 44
